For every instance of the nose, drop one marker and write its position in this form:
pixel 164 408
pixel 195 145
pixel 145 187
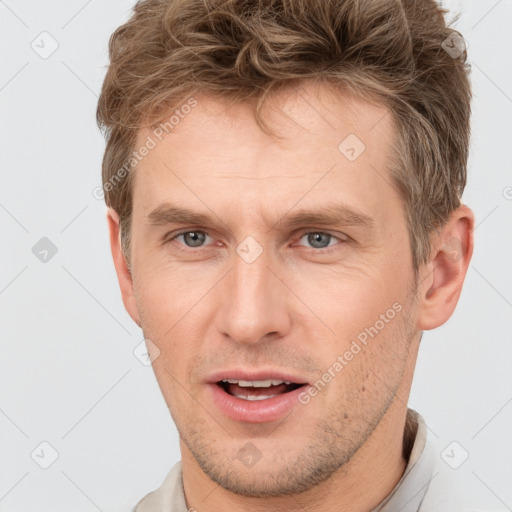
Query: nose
pixel 255 303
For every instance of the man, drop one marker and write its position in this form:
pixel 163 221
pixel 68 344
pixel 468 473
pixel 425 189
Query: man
pixel 284 181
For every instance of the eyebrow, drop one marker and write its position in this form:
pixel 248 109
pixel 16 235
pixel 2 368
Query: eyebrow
pixel 329 215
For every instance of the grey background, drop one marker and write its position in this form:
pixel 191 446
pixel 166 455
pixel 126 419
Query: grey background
pixel 68 375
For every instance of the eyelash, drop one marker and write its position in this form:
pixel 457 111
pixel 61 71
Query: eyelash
pixel 322 251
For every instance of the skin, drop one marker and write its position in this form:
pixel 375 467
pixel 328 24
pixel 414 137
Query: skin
pixel 294 308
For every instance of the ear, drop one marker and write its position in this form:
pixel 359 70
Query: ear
pixel 442 278
pixel 123 273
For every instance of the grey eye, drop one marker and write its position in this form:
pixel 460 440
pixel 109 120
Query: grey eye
pixel 319 240
pixel 194 238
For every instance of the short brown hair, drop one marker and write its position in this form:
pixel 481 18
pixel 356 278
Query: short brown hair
pixel 392 51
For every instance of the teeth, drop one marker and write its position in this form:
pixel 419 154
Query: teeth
pixel 257 383
pixel 250 383
pixel 254 398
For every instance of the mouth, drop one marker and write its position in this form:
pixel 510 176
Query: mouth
pixel 257 389
pixel 255 397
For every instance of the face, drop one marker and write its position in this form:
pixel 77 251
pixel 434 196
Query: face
pixel 259 259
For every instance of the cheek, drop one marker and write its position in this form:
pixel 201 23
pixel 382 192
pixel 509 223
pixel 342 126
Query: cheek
pixel 367 340
pixel 172 304
pixel 369 367
pixel 349 300
pixel 165 293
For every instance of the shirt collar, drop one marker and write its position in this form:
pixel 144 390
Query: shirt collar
pixel 410 491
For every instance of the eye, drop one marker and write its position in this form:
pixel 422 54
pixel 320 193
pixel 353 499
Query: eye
pixel 191 238
pixel 320 240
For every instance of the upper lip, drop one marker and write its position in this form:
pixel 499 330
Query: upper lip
pixel 252 375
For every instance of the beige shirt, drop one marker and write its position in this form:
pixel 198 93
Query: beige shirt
pixel 422 487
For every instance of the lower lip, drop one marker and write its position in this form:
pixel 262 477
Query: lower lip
pixel 257 411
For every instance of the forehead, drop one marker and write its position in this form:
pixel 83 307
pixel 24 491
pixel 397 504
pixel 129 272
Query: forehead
pixel 295 113
pixel 327 142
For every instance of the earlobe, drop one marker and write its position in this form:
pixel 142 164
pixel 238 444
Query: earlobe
pixel 442 279
pixel 124 275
